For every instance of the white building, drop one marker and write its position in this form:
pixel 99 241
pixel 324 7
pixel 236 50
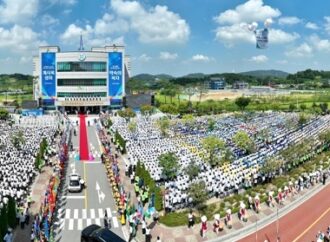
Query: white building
pixel 80 80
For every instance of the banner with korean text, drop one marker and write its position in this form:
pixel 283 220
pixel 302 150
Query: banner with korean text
pixel 115 77
pixel 48 77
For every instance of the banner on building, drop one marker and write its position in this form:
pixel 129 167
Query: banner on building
pixel 48 77
pixel 262 38
pixel 115 77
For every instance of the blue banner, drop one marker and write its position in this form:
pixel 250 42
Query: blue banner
pixel 48 76
pixel 262 38
pixel 115 76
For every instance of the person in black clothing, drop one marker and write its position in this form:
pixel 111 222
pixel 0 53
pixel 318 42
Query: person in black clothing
pixel 324 178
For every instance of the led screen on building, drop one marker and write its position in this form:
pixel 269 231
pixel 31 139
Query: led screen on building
pixel 48 77
pixel 115 75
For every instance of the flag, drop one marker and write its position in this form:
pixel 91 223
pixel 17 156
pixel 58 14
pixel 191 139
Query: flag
pixel 262 38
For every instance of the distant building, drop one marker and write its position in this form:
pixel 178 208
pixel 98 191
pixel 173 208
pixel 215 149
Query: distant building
pixel 215 83
pixel 240 85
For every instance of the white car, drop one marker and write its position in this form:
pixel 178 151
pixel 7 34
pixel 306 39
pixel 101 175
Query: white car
pixel 76 184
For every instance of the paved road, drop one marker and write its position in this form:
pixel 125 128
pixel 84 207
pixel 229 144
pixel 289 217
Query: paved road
pixel 301 224
pixel 78 210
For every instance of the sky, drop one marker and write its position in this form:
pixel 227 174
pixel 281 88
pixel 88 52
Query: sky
pixel 175 37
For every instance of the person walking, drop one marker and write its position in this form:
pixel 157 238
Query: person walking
pixel 148 235
pixel 9 236
pixel 105 219
pixel 191 219
pixel 22 220
pixel 204 226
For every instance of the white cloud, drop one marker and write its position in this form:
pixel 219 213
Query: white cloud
pixel 108 24
pixel 18 11
pixel 234 22
pixel 320 44
pixel 310 25
pixel 282 62
pixel 259 59
pixel 73 32
pixel 304 50
pixel 236 33
pixel 47 20
pixel 168 56
pixel 63 2
pixel 154 25
pixel 25 59
pixel 144 58
pixel 289 21
pixel 327 24
pixel 277 36
pixel 19 39
pixel 201 58
pixel 252 10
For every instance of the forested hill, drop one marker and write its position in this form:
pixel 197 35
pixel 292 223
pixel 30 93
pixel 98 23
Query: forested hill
pixel 15 81
pixel 266 73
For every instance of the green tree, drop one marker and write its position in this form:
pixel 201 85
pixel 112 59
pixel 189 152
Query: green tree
pixel 198 193
pixel 18 139
pixel 127 113
pixel 303 107
pixel 324 107
pixel 303 119
pixel 243 141
pixel 132 126
pixel 146 110
pixel 170 165
pixel 163 124
pixel 4 114
pixel 212 146
pixel 188 119
pixel 189 91
pixel 12 213
pixel 201 90
pixel 292 107
pixel 192 170
pixel 211 124
pixel 324 137
pixel 242 102
pixel 271 165
pixel 168 108
pixel 3 219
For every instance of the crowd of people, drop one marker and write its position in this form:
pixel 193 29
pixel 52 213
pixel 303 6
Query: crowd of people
pixel 17 158
pixel 146 144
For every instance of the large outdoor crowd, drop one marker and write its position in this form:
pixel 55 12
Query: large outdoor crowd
pixel 146 144
pixel 17 161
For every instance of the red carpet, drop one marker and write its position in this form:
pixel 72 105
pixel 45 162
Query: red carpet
pixel 83 145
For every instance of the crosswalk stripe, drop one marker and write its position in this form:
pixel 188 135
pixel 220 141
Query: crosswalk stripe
pixel 75 214
pixel 98 221
pixel 88 221
pixel 67 213
pixel 109 212
pixel 92 213
pixel 80 225
pixel 84 213
pixel 62 223
pixel 71 224
pixel 101 214
pixel 115 222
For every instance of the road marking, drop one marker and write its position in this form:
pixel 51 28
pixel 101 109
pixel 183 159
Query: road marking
pixel 71 223
pixel 80 225
pixel 109 211
pixel 98 221
pixel 92 213
pixel 115 222
pixel 101 213
pixel 315 222
pixel 62 223
pixel 88 221
pixel 67 213
pixel 86 202
pixel 84 213
pixel 75 214
pixel 74 197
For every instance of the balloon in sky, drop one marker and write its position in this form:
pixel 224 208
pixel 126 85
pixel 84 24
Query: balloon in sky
pixel 261 34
